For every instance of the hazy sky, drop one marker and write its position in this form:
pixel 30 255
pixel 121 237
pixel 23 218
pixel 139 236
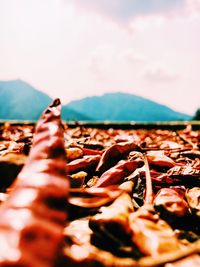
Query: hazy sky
pixel 76 48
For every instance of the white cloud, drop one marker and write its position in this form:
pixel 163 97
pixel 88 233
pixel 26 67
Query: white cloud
pixel 192 7
pixel 143 23
pixel 125 10
pixel 132 57
pixel 160 75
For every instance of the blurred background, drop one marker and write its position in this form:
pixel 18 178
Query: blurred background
pixel 118 60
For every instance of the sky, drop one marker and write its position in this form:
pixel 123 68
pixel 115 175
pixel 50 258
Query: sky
pixel 77 48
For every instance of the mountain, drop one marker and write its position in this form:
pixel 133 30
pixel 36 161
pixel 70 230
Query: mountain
pixel 125 107
pixel 70 114
pixel 20 101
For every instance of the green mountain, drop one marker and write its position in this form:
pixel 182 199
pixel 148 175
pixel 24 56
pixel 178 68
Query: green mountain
pixel 125 107
pixel 70 114
pixel 20 101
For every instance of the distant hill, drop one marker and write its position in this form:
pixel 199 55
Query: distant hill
pixel 20 101
pixel 70 114
pixel 125 107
